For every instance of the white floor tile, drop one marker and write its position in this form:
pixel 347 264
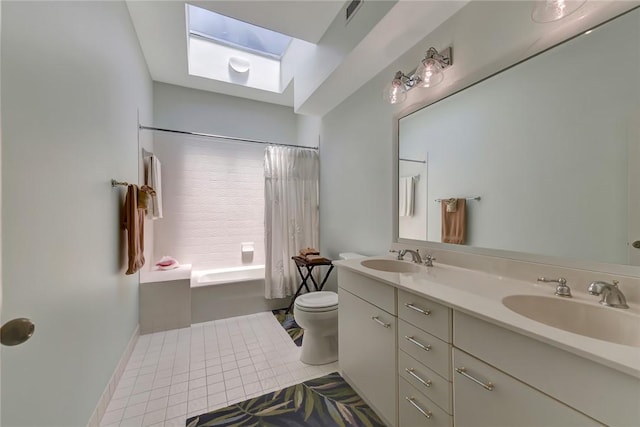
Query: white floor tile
pixel 176 374
pixel 155 417
pixel 179 410
pixel 132 422
pixel 111 417
pixel 132 411
pixel 177 398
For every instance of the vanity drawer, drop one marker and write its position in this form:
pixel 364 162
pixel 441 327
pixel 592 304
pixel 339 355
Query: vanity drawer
pixel 412 404
pixel 558 373
pixel 425 314
pixel 425 348
pixel 486 397
pixel 436 388
pixel 377 293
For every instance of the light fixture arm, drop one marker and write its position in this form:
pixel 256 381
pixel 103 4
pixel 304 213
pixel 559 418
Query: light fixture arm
pixel 408 82
pixel 444 58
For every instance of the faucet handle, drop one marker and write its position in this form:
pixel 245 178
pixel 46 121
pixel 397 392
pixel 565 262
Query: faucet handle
pixel 559 280
pixel 400 253
pixel 562 290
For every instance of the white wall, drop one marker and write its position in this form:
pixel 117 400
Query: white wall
pixel 213 191
pixel 73 78
pixel 357 136
pixel 180 108
pixel 213 197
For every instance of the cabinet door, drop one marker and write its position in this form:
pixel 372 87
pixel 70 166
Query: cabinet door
pixel 484 396
pixel 367 351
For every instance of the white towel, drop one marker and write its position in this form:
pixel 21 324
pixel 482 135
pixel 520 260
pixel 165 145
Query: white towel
pixel 153 179
pixel 406 196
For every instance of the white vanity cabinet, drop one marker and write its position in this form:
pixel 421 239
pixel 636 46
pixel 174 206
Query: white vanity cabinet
pixel 367 328
pixel 533 383
pixel 422 363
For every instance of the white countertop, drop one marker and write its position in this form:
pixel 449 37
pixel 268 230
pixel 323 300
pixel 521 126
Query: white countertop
pixel 480 294
pixel 182 272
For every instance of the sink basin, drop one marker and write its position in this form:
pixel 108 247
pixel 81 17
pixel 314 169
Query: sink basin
pixel 391 265
pixel 603 323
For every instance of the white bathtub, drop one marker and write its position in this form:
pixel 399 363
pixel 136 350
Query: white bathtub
pixel 223 276
pixel 228 292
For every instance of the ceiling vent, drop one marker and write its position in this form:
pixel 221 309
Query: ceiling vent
pixel 353 8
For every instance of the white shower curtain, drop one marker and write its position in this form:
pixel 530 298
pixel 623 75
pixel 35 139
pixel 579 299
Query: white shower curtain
pixel 291 214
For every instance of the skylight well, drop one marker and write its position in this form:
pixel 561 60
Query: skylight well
pixel 229 50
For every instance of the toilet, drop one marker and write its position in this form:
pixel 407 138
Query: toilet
pixel 317 314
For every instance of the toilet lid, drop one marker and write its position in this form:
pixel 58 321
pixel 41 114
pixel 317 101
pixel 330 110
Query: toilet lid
pixel 317 301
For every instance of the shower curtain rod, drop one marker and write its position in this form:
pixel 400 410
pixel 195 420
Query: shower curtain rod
pixel 230 138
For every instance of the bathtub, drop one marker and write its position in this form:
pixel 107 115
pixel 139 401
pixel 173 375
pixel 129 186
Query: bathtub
pixel 222 276
pixel 228 292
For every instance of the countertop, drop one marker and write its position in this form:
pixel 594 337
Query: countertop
pixel 480 294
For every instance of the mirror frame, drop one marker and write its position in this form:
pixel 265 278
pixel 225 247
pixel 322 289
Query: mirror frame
pixel 565 262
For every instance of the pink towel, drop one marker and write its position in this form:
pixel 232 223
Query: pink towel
pixel 134 224
pixel 454 227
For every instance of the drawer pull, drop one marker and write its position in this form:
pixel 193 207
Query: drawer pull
pixel 418 343
pixel 412 372
pixel 463 371
pixel 380 322
pixel 424 412
pixel 418 309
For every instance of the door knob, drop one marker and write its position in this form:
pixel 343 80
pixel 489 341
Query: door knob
pixel 636 244
pixel 16 331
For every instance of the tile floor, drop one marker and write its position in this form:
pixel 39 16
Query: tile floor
pixel 177 374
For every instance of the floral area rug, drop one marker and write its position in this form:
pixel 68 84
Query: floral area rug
pixel 322 402
pixel 289 324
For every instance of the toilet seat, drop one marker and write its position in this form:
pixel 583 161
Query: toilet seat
pixel 317 301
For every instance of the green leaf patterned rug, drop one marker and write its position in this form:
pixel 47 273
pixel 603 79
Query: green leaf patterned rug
pixel 322 402
pixel 289 324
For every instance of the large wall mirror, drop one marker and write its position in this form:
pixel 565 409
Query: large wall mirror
pixel 546 154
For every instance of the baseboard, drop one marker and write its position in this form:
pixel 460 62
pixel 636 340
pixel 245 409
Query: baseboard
pixel 104 400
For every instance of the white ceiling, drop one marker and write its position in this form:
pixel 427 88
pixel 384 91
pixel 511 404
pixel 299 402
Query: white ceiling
pixel 161 29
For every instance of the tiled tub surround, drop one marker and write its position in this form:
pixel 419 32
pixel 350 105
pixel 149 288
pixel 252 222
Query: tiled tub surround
pixel 175 374
pixel 483 326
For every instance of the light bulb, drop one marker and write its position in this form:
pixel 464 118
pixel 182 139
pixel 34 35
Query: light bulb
pixel 429 73
pixel 395 92
pixel 552 10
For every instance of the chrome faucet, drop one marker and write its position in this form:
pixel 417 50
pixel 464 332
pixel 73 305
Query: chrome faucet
pixel 562 290
pixel 415 255
pixel 612 296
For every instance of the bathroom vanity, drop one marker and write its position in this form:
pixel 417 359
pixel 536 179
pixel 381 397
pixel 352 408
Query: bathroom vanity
pixel 436 346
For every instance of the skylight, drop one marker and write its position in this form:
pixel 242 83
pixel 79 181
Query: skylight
pixel 230 31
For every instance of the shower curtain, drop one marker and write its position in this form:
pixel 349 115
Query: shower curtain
pixel 291 214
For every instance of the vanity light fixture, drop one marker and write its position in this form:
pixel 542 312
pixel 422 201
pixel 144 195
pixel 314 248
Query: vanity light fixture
pixel 552 10
pixel 429 73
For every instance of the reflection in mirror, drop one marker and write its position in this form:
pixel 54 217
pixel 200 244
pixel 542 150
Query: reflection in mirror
pixel 412 198
pixel 551 146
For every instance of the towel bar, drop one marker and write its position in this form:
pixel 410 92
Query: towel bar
pixel 115 183
pixel 467 198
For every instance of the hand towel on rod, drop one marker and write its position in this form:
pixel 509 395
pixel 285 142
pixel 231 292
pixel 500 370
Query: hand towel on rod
pixel 454 226
pixel 153 178
pixel 134 224
pixel 406 191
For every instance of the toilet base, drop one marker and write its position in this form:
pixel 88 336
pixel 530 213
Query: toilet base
pixel 318 350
